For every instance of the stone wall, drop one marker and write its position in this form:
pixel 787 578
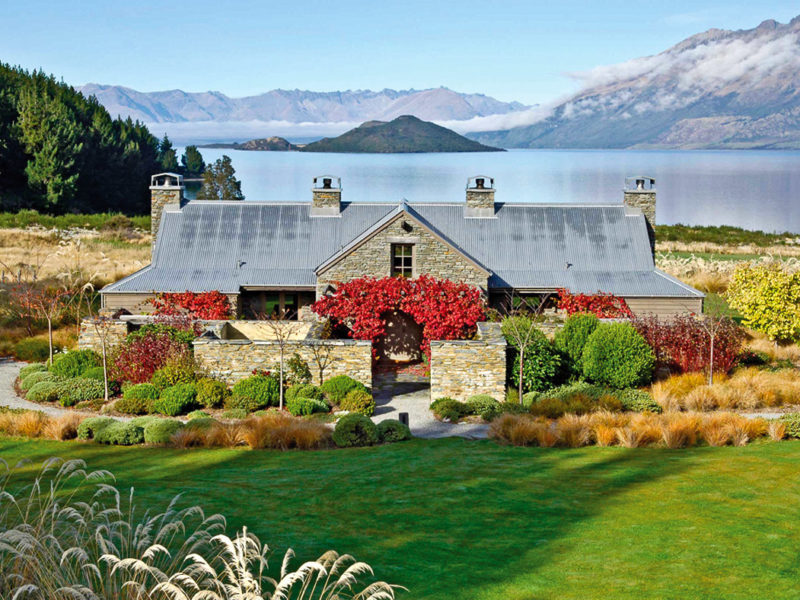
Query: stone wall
pixel 90 338
pixel 232 360
pixel 644 200
pixel 431 257
pixel 463 368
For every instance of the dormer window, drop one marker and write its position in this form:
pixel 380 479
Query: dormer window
pixel 403 260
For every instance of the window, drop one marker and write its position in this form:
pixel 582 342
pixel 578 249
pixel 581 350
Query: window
pixel 403 260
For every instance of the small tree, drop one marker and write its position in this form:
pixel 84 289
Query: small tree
pixel 713 324
pixel 43 303
pixel 220 183
pixel 167 157
pixel 282 330
pixel 323 357
pixel 192 161
pixel 519 326
pixel 102 327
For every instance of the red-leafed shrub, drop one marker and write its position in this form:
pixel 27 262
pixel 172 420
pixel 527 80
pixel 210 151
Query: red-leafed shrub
pixel 138 357
pixel 683 343
pixel 203 305
pixel 446 310
pixel 604 306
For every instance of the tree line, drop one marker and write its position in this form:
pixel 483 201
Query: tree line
pixel 61 152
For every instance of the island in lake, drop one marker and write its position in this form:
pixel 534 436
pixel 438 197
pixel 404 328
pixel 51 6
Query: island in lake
pixel 405 134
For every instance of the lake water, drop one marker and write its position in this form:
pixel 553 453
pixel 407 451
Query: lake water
pixel 751 189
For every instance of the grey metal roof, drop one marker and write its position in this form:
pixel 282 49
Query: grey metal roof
pixel 212 245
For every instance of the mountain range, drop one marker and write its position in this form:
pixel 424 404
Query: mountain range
pixel 295 106
pixel 717 89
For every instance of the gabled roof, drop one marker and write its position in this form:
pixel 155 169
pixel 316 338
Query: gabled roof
pixel 226 246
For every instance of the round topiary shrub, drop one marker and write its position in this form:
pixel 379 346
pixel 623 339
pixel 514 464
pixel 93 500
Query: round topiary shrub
pixel 617 355
pixel 306 406
pixel 31 368
pixel 571 339
pixel 211 393
pixel 336 388
pixel 392 430
pixel 358 400
pixel 638 401
pixel 141 391
pixel 120 433
pixel 44 391
pixel 145 421
pixel 529 398
pixel 201 423
pixel 176 400
pixel 161 431
pixel 89 427
pixel 34 378
pixel 128 405
pixel 449 409
pixel 173 375
pixel 303 390
pixel 198 414
pixel 74 363
pixel 483 405
pixel 355 430
pixel 77 389
pixel 258 391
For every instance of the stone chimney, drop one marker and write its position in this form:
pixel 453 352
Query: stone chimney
pixel 640 193
pixel 480 197
pixel 166 189
pixel 326 198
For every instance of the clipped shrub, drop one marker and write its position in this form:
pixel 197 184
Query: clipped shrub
pixel 161 431
pixel 392 430
pixel 211 393
pixel 617 355
pixel 449 409
pixel 253 393
pixel 77 389
pixel 235 413
pixel 120 433
pixel 74 363
pixel 131 405
pixel 198 414
pixel 355 430
pixel 32 349
pixel 529 398
pixel 35 378
pixel 791 423
pixel 173 374
pixel 336 388
pixel 141 391
pixel 201 423
pixel 306 406
pixel 145 421
pixel 44 391
pixel 483 405
pixel 176 400
pixel 542 368
pixel 571 339
pixel 358 400
pixel 32 368
pixel 89 427
pixel 638 401
pixel 303 391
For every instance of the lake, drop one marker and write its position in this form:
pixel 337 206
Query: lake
pixel 750 189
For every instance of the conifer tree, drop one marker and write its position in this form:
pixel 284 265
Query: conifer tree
pixel 192 161
pixel 167 156
pixel 220 183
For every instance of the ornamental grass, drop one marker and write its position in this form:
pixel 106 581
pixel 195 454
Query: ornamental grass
pixel 73 534
pixel 670 430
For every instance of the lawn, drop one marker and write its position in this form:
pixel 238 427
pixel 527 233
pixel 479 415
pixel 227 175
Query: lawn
pixel 454 519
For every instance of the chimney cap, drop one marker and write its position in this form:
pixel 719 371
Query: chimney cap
pixel 478 182
pixel 640 183
pixel 327 182
pixel 166 180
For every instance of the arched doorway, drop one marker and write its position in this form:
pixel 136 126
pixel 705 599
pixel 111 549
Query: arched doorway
pixel 402 340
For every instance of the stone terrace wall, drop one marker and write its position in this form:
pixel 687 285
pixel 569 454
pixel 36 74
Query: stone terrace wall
pixel 232 360
pixel 90 340
pixel 463 368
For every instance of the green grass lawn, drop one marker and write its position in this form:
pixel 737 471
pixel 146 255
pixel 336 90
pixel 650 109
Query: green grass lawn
pixel 454 519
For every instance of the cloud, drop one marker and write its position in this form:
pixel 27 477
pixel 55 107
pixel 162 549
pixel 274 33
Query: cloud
pixel 201 132
pixel 500 122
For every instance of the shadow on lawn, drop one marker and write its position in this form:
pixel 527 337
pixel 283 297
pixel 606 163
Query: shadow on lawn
pixel 445 518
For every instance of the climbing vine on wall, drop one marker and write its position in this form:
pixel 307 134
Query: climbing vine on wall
pixel 604 306
pixel 445 310
pixel 197 305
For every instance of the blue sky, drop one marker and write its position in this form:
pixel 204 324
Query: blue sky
pixel 513 50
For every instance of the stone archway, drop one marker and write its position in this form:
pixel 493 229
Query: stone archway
pixel 402 340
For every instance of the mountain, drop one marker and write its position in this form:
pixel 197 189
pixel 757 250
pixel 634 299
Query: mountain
pixel 270 144
pixel 403 134
pixel 295 106
pixel 717 89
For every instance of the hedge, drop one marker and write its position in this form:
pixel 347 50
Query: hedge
pixel 355 430
pixel 617 355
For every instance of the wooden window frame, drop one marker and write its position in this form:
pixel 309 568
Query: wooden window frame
pixel 406 271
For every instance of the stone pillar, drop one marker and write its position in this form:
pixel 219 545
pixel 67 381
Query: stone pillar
pixel 166 189
pixel 480 198
pixel 640 193
pixel 326 200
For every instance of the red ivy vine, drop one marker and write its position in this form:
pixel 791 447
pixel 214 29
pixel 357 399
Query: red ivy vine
pixel 203 305
pixel 604 306
pixel 445 310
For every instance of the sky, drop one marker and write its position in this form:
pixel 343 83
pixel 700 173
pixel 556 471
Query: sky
pixel 512 50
